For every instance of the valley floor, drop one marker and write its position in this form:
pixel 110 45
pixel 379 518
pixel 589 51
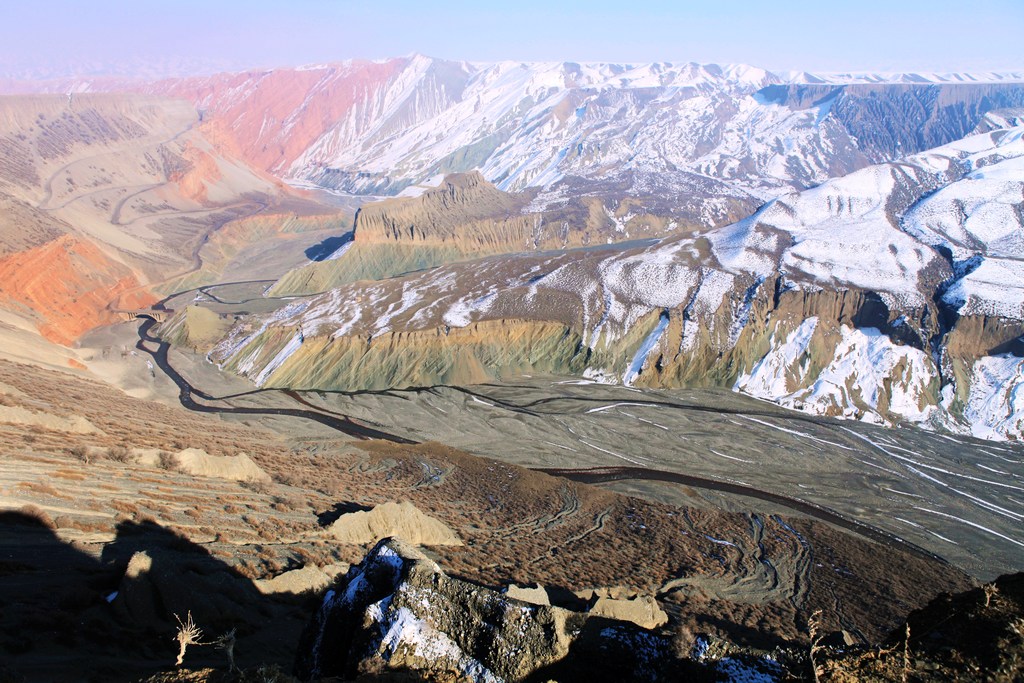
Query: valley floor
pixel 956 497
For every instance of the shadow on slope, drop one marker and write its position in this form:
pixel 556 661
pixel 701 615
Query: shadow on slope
pixel 71 615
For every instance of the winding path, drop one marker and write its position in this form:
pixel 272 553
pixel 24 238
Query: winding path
pixel 186 393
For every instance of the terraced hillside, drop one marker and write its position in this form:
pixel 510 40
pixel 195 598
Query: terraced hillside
pixel 82 505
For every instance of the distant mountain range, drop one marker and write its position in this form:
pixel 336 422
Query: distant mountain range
pixel 700 141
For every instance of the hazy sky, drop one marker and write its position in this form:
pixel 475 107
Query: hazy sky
pixel 115 35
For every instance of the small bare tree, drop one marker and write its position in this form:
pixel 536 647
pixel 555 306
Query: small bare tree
pixel 188 634
pixel 906 655
pixel 990 590
pixel 227 643
pixel 814 626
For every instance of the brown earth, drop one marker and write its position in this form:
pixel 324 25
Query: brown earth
pixel 65 285
pixel 972 636
pixel 710 570
pixel 105 196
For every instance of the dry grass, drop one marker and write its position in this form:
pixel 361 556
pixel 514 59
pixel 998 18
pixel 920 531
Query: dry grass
pixel 121 419
pixel 38 514
pixel 41 489
pixel 69 475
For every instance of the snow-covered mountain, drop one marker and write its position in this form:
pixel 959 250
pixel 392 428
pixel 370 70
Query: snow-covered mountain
pixel 894 293
pixel 651 132
pixel 934 77
pixel 534 125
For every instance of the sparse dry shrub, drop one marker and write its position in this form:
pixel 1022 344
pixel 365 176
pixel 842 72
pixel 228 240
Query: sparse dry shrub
pixel 68 475
pixel 38 514
pixel 814 627
pixel 68 522
pixel 126 508
pixel 227 643
pixel 248 570
pixel 159 509
pixel 286 503
pixel 990 590
pixel 80 452
pixel 265 673
pixel 286 478
pixel 122 517
pixel 168 460
pixel 118 453
pixel 255 486
pixel 683 640
pixel 188 634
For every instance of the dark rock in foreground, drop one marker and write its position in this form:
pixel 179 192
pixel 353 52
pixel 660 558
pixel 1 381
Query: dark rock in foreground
pixel 397 611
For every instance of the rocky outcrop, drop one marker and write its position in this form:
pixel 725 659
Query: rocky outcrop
pixel 464 218
pixel 642 610
pixel 194 327
pixel 469 355
pixel 238 467
pixel 977 635
pixel 308 579
pixel 397 611
pixel 464 208
pixel 400 520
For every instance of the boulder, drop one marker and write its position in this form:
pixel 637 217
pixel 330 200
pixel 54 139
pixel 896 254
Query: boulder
pixel 402 520
pixel 642 610
pixel 398 612
pixel 308 579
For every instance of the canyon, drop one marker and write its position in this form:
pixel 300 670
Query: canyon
pixel 670 361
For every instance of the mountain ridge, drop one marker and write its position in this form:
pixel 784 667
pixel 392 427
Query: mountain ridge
pixel 875 281
pixel 654 131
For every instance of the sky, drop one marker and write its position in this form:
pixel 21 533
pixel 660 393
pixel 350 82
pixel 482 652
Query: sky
pixel 65 37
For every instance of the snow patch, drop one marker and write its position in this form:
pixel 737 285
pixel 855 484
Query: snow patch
pixel 995 404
